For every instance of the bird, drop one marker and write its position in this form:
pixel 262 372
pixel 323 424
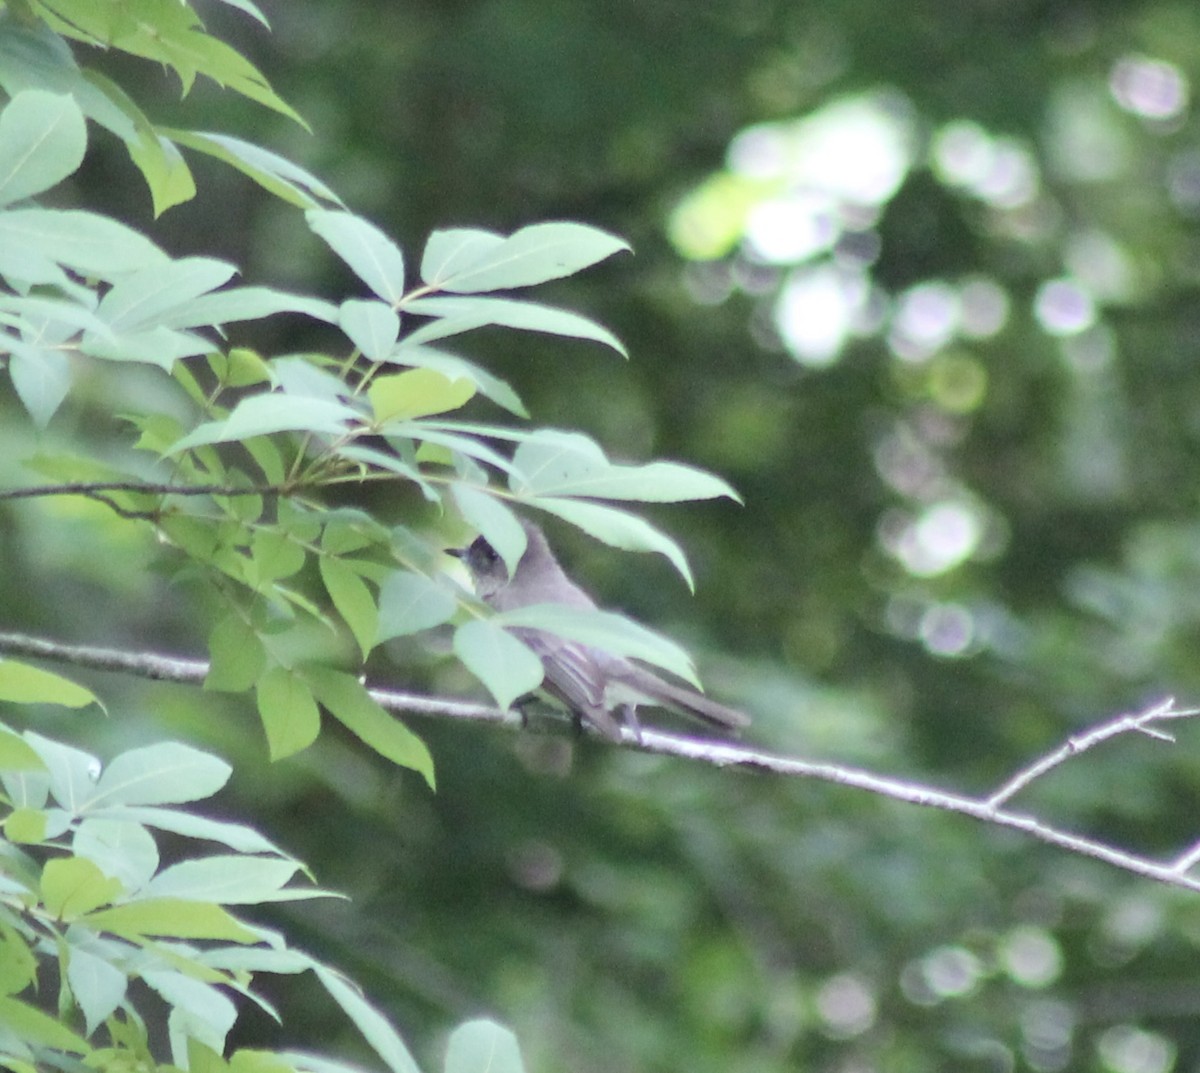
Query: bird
pixel 596 686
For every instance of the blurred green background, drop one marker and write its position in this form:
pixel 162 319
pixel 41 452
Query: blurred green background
pixel 921 281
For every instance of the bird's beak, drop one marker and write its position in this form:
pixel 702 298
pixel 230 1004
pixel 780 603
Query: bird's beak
pixel 458 553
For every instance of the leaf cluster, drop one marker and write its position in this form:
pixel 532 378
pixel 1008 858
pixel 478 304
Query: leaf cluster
pixel 233 480
pixel 271 433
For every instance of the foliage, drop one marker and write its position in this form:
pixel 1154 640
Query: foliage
pixel 233 485
pixel 969 526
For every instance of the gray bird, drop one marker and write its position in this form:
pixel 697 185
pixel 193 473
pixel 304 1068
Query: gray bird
pixel 592 683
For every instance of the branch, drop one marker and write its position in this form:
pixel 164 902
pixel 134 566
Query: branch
pixel 1073 746
pixel 194 671
pixel 727 754
pixel 100 491
pixel 94 489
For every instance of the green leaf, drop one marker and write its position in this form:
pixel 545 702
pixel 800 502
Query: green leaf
pixel 31 1025
pixel 372 326
pixel 27 266
pixel 97 985
pixel 206 1014
pixel 142 298
pixel 73 886
pixel 34 57
pixel 234 835
pixel 490 517
pixel 158 430
pixel 455 368
pixel 348 702
pixel 18 965
pixel 153 346
pixel 247 303
pixel 467 262
pixel 272 172
pixel 43 137
pixel 237 656
pixel 41 377
pixel 388 462
pixel 270 461
pixel 452 252
pixel 172 35
pixel 241 367
pixel 555 463
pixel 433 432
pixel 507 667
pixel 167 773
pixel 275 554
pixel 51 322
pixel 89 244
pixel 466 314
pixel 618 529
pixel 171 918
pixel 258 959
pixel 306 376
pixel 250 9
pixel 409 603
pixel 158 160
pixel 348 530
pixel 17 755
pixel 22 684
pixel 352 599
pixel 164 169
pixel 483 1046
pixel 260 415
pixel 289 714
pixel 605 630
pixel 371 255
pixel 416 393
pixel 197 537
pixel 226 880
pixel 247 1061
pixel 369 1021
pixel 72 771
pixel 25 826
pixel 123 849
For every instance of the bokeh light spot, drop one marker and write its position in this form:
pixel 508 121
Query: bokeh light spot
pixel 983 305
pixel 957 383
pixel 846 1004
pixel 1150 88
pixel 951 971
pixel 947 629
pixel 1063 307
pixel 816 312
pixel 1126 1049
pixel 1031 956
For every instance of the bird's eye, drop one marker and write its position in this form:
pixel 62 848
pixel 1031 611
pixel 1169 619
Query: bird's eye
pixel 483 553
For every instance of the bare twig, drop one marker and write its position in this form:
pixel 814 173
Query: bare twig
pixel 1073 746
pixel 728 754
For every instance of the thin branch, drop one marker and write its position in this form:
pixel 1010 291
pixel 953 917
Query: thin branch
pixel 194 671
pixel 94 489
pixel 99 491
pixel 1187 859
pixel 1079 743
pixel 723 754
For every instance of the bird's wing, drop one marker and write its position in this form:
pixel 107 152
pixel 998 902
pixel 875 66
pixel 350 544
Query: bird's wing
pixel 574 675
pixel 659 692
